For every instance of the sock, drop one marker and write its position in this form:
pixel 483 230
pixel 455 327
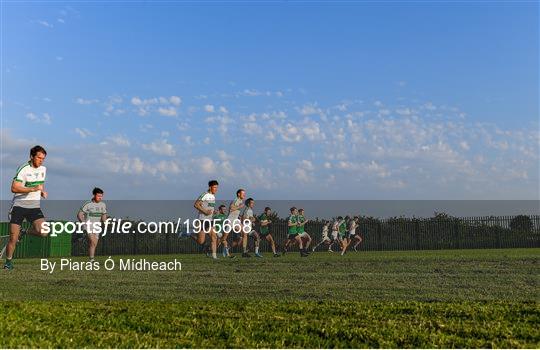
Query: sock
pixel 256 250
pixel 214 255
pixel 226 250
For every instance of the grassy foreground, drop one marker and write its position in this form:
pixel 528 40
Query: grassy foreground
pixel 467 298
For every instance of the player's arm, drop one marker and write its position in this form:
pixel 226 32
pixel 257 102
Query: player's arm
pixel 291 224
pixel 18 187
pixel 199 206
pixel 81 215
pixel 233 207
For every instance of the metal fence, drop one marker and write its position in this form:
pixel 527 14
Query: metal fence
pixel 378 234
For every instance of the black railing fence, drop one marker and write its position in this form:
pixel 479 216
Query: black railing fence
pixel 440 232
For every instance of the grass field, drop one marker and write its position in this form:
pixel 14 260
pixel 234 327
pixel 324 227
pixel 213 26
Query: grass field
pixel 465 298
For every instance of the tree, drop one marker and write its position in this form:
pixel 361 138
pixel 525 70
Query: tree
pixel 521 223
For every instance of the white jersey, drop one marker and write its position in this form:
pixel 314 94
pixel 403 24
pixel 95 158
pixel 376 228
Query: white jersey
pixel 30 177
pixel 352 228
pixel 248 213
pixel 233 214
pixel 208 202
pixel 93 211
pixel 325 232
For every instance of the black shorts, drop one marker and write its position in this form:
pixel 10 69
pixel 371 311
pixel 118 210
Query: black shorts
pixel 264 234
pixel 18 214
pixel 291 236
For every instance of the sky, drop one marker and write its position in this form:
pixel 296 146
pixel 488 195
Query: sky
pixel 289 100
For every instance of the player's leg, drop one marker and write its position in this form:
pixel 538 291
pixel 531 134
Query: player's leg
pixel 298 240
pixel 14 231
pixel 270 240
pixel 245 253
pixel 213 242
pixel 92 244
pixel 36 229
pixel 257 238
pixel 308 240
pixel 345 244
pixel 358 240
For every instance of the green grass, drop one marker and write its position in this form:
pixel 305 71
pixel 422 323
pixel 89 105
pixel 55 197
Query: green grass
pixel 465 298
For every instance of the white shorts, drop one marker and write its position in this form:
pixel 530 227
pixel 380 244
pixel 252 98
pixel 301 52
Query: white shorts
pixel 334 235
pixel 325 238
pixel 252 233
pixel 303 234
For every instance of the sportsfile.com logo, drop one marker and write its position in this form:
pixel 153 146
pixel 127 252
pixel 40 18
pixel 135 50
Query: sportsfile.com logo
pixel 114 225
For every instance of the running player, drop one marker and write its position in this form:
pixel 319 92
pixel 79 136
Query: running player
pixel 293 236
pixel 218 220
pixel 265 222
pixel 301 230
pixel 325 238
pixel 234 212
pixel 205 207
pixel 248 215
pixel 357 238
pixel 343 236
pixel 335 232
pixel 93 213
pixel 28 189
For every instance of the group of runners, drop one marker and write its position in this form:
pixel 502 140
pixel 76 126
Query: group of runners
pixel 237 220
pixel 240 221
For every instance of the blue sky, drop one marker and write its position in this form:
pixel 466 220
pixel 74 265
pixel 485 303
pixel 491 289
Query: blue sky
pixel 290 100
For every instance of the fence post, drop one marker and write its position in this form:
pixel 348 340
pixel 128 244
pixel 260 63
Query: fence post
pixel 379 235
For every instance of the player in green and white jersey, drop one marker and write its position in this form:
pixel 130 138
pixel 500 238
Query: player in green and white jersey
pixel 28 189
pixel 304 236
pixel 248 215
pixel 93 213
pixel 325 238
pixel 293 237
pixel 264 220
pixel 356 237
pixel 218 220
pixel 342 230
pixel 235 208
pixel 205 204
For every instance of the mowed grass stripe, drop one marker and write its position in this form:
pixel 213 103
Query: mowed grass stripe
pixel 263 323
pixel 446 276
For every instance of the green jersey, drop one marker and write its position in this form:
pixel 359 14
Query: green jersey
pixel 218 222
pixel 293 219
pixel 264 229
pixel 342 228
pixel 300 229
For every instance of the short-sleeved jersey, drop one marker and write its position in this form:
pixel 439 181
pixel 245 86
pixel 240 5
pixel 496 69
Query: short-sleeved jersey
pixel 208 202
pixel 93 211
pixel 300 228
pixel 29 177
pixel 293 219
pixel 352 227
pixel 218 222
pixel 342 227
pixel 325 231
pixel 264 229
pixel 234 214
pixel 247 214
pixel 335 226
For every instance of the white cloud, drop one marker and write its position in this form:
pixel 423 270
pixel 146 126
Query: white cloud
pixel 45 118
pixel 118 140
pixel 175 100
pixel 82 132
pixel 206 165
pixel 209 108
pixel 45 23
pixel 168 112
pixel 83 101
pixel 160 147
